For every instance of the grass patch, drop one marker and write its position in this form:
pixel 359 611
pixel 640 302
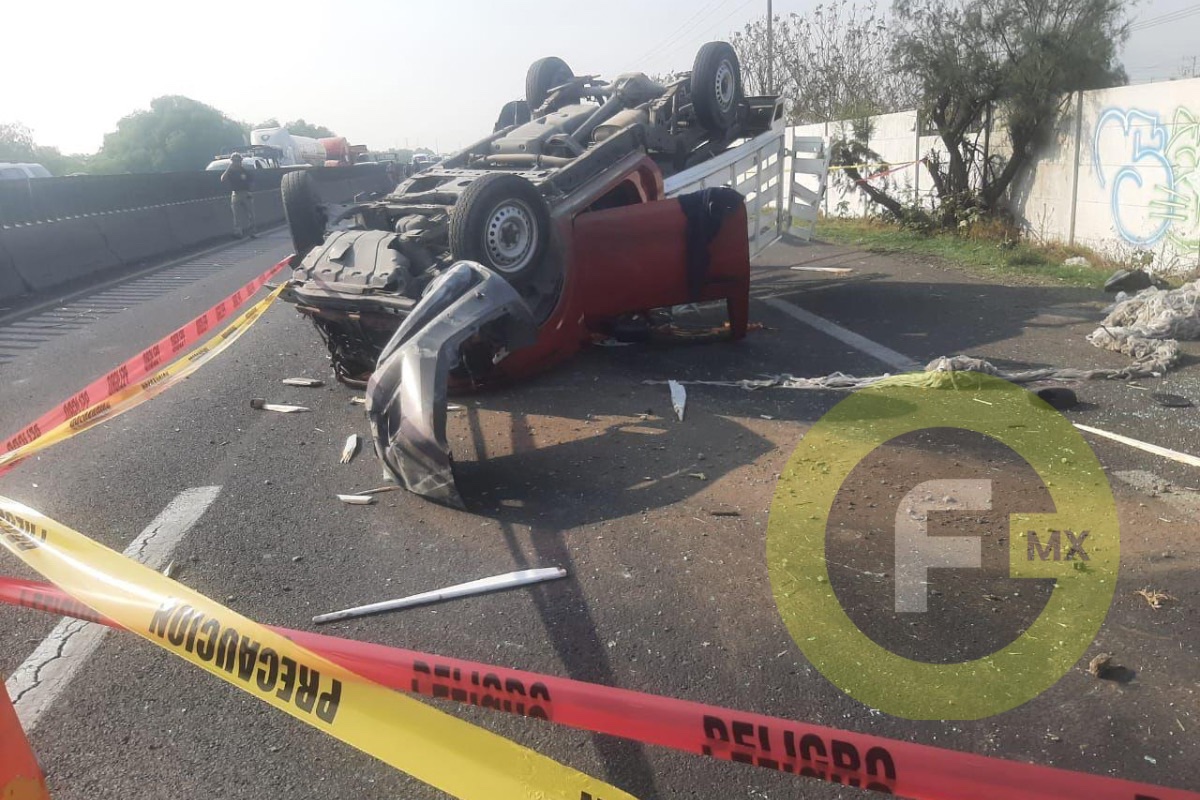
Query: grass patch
pixel 983 252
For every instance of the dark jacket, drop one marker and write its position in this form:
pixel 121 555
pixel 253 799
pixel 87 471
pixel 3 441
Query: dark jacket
pixel 237 178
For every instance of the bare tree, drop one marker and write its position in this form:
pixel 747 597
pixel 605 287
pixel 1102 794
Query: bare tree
pixel 839 62
pixel 751 45
pixel 830 64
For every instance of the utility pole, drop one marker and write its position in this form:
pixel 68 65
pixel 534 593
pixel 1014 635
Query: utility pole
pixel 770 50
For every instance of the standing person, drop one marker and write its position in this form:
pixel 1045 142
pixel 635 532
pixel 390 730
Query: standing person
pixel 238 179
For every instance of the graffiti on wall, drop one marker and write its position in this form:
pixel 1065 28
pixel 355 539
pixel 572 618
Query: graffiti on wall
pixel 1149 165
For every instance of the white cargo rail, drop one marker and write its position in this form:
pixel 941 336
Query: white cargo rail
pixel 768 173
pixel 806 183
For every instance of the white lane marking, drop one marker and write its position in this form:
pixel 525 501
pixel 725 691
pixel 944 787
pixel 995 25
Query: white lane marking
pixel 39 681
pixel 1174 455
pixel 874 349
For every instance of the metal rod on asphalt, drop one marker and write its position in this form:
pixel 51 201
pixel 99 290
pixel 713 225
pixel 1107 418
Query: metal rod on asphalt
pixel 496 583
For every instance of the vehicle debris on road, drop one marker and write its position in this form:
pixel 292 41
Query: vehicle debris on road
pixel 496 583
pixel 830 270
pixel 310 383
pixel 263 405
pixel 1100 665
pixel 1171 400
pixel 678 398
pixel 357 499
pixel 350 449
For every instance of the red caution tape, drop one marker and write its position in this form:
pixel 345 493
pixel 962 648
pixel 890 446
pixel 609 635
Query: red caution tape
pixel 842 757
pixel 144 364
pixel 20 776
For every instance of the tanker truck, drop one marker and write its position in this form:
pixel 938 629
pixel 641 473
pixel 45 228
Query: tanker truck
pixel 340 153
pixel 295 150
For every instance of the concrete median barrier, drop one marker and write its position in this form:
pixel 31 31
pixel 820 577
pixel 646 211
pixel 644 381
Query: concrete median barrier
pixel 199 222
pixel 44 255
pixel 268 208
pixel 137 236
pixel 51 254
pixel 11 283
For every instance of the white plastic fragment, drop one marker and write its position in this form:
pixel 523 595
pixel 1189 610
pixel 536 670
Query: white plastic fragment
pixel 263 405
pixel 678 398
pixel 357 499
pixel 350 449
pixel 310 383
pixel 509 580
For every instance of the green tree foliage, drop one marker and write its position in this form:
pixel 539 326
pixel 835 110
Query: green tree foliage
pixel 175 134
pixel 17 144
pixel 1018 59
pixel 301 128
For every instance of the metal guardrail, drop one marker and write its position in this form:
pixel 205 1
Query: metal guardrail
pixel 767 172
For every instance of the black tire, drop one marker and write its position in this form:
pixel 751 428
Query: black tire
pixel 301 207
pixel 515 112
pixel 502 222
pixel 543 75
pixel 716 87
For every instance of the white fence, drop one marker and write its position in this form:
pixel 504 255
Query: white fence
pixel 782 185
pixel 1120 172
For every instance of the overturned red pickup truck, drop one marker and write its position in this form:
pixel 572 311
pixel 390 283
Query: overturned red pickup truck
pixel 509 256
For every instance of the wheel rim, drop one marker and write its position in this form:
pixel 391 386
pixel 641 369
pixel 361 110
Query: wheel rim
pixel 725 86
pixel 511 236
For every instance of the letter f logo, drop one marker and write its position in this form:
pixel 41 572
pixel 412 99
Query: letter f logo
pixel 917 552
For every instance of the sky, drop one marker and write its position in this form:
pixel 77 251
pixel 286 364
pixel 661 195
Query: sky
pixel 385 74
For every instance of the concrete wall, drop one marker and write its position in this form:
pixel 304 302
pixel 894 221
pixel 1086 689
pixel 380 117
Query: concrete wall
pixel 1121 173
pixel 39 256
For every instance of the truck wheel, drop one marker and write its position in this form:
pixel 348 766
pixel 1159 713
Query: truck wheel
pixel 716 86
pixel 305 220
pixel 515 112
pixel 502 222
pixel 544 74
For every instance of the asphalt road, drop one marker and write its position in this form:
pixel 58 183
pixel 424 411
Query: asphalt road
pixel 586 468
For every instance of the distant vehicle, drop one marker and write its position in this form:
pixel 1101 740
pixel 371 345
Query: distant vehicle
pixel 293 150
pixel 422 161
pixel 249 162
pixel 21 172
pixel 339 152
pixel 253 157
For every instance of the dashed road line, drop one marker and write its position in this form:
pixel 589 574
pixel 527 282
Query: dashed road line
pixel 43 677
pixel 861 343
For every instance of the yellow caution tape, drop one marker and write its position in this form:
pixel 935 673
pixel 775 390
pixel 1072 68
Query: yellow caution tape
pixel 459 758
pixel 135 394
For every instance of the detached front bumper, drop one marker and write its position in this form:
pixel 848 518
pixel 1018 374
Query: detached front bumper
pixel 406 396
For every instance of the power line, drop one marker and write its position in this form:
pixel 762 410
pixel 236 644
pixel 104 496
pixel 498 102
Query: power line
pixel 709 9
pixel 1163 19
pixel 718 23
